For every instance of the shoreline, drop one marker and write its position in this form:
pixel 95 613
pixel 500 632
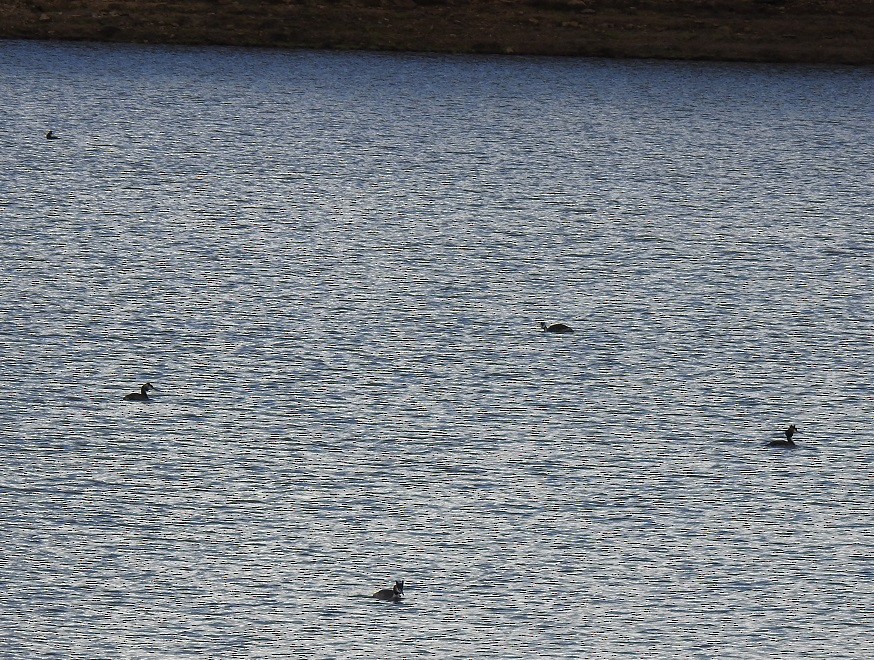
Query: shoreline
pixel 775 31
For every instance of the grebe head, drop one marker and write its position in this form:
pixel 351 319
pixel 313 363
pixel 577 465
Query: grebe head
pixel 790 432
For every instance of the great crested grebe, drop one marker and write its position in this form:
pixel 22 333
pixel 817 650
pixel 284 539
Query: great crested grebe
pixel 392 595
pixel 788 441
pixel 559 328
pixel 141 395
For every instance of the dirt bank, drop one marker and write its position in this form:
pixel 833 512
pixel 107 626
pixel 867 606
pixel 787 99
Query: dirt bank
pixel 822 31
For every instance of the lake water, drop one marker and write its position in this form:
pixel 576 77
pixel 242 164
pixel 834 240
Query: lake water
pixel 332 268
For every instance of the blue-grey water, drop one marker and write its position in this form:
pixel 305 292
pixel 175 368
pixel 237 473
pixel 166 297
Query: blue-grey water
pixel 332 268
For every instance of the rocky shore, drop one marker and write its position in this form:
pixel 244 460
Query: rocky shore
pixel 803 31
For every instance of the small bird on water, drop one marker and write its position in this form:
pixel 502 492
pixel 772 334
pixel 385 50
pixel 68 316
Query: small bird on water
pixel 559 328
pixel 788 441
pixel 392 595
pixel 51 136
pixel 141 395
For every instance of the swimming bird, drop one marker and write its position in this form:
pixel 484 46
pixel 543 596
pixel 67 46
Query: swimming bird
pixel 51 136
pixel 788 441
pixel 559 328
pixel 392 595
pixel 141 395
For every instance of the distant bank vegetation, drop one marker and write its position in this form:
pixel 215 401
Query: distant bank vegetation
pixel 814 31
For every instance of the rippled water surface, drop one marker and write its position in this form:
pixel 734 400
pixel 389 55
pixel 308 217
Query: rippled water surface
pixel 332 267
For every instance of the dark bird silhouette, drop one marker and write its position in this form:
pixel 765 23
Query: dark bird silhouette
pixel 141 395
pixel 51 136
pixel 559 328
pixel 788 441
pixel 392 595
